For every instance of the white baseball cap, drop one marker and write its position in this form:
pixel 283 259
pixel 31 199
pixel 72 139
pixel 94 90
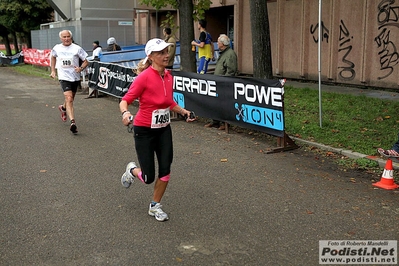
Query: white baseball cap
pixel 154 45
pixel 111 41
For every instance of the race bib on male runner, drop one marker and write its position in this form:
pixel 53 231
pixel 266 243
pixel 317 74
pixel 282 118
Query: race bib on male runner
pixel 160 118
pixel 66 62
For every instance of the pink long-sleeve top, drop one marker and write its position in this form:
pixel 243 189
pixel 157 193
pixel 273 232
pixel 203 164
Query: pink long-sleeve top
pixel 153 92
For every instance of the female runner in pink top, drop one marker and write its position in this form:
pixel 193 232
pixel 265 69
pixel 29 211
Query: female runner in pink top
pixel 153 87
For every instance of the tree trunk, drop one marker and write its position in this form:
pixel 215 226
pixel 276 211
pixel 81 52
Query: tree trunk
pixel 7 45
pixel 187 57
pixel 261 47
pixel 4 33
pixel 15 41
pixel 28 39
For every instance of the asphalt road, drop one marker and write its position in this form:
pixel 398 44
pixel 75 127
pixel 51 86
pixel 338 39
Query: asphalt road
pixel 229 202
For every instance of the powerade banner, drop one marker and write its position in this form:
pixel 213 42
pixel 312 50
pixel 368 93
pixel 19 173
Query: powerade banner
pixel 247 102
pixel 110 78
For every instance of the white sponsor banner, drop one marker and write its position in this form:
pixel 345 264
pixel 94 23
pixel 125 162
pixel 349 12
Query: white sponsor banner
pixel 351 252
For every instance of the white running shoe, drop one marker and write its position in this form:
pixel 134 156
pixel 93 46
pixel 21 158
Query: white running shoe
pixel 159 214
pixel 127 178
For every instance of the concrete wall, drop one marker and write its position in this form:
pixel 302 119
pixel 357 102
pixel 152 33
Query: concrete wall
pixel 358 44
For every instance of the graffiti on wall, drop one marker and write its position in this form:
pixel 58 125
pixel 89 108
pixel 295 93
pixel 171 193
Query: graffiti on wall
pixel 347 70
pixel 325 33
pixel 388 18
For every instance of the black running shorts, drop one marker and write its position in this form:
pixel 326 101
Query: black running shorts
pixel 70 85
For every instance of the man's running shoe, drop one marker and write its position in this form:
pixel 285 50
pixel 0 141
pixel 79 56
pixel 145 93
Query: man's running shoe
pixel 158 213
pixel 127 178
pixel 63 113
pixel 73 128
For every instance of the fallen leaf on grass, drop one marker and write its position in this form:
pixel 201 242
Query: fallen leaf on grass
pixel 329 153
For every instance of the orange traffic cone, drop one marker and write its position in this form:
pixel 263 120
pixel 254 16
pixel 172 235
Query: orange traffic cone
pixel 386 181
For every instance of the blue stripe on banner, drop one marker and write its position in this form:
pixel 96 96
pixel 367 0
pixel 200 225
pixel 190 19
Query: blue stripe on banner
pixel 179 99
pixel 259 116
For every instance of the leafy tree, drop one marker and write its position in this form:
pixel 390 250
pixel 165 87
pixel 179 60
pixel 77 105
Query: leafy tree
pixel 23 16
pixel 189 11
pixel 261 47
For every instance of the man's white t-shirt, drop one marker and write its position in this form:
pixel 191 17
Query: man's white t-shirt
pixel 67 59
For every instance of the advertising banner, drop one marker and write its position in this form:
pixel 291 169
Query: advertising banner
pixel 247 102
pixel 37 57
pixel 11 60
pixel 110 78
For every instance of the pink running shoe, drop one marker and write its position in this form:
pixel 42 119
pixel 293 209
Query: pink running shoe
pixel 63 113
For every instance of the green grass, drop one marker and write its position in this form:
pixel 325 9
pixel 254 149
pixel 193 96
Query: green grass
pixel 356 123
pixel 32 70
pixel 5 52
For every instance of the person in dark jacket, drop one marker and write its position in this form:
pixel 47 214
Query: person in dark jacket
pixel 226 65
pixel 97 50
pixel 112 45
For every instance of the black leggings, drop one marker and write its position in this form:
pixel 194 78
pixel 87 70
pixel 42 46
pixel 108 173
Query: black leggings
pixel 150 140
